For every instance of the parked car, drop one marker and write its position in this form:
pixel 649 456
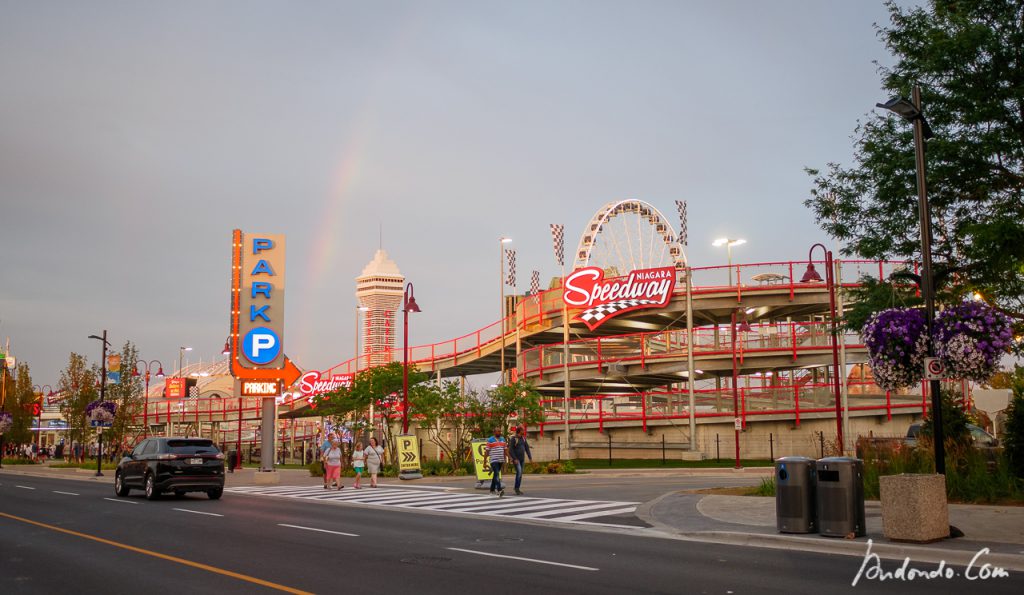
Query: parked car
pixel 178 465
pixel 980 437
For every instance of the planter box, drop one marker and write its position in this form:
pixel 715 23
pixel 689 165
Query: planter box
pixel 914 507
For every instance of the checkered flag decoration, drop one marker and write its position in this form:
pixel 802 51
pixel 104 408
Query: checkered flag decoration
pixel 535 284
pixel 681 207
pixel 193 391
pixel 593 317
pixel 558 238
pixel 511 256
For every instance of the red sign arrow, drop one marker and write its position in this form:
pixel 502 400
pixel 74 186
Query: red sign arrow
pixel 287 375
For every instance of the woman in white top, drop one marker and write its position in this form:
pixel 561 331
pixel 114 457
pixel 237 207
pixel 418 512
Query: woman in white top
pixel 358 462
pixel 333 460
pixel 374 454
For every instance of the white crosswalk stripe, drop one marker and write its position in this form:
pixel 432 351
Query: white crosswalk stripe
pixel 486 505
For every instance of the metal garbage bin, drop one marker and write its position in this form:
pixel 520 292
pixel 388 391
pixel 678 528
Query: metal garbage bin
pixel 840 497
pixel 794 495
pixel 232 460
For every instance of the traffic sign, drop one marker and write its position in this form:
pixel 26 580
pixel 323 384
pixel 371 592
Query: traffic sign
pixel 408 453
pixel 934 369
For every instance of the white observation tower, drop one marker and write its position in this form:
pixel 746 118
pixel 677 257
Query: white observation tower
pixel 379 289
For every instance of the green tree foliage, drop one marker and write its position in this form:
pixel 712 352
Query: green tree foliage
pixel 20 396
pixel 500 403
pixel 128 394
pixel 77 386
pixel 954 422
pixel 381 386
pixel 448 415
pixel 966 54
pixel 1013 439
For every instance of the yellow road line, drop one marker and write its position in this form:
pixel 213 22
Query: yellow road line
pixel 241 577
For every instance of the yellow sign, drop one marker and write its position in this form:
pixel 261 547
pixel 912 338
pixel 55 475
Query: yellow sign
pixel 408 453
pixel 483 466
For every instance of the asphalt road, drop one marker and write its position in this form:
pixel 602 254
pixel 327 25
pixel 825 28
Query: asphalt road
pixel 66 536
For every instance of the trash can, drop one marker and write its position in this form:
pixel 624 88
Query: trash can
pixel 794 495
pixel 840 497
pixel 232 460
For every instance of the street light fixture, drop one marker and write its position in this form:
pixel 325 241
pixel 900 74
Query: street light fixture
pixel 181 352
pixel 810 276
pixel 103 394
pixel 728 243
pixel 148 366
pixel 408 305
pixel 912 112
pixel 501 276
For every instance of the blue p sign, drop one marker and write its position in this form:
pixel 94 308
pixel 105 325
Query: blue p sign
pixel 261 345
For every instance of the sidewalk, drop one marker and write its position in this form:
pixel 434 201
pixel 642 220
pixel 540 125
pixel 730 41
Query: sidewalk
pixel 750 520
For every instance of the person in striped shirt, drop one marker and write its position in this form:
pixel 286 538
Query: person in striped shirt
pixel 497 453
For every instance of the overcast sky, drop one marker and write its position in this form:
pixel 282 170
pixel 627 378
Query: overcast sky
pixel 135 136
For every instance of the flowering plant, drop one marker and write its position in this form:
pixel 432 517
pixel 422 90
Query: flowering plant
pixel 897 342
pixel 101 411
pixel 6 421
pixel 970 338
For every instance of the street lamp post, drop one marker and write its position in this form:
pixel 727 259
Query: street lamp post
pixel 728 243
pixel 735 390
pixel 103 394
pixel 181 352
pixel 148 365
pixel 912 112
pixel 812 275
pixel 408 305
pixel 501 277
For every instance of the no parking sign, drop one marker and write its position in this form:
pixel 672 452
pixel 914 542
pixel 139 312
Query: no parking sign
pixel 934 369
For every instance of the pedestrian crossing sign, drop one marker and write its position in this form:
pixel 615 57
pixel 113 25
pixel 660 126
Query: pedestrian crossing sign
pixel 408 453
pixel 483 469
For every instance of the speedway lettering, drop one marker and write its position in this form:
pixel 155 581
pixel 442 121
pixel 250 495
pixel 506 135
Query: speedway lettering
pixel 310 384
pixel 604 299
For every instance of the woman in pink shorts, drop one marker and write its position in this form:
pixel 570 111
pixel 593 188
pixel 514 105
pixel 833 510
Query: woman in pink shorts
pixel 333 459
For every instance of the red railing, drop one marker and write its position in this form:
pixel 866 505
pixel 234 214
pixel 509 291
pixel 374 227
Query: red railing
pixel 532 311
pixel 709 403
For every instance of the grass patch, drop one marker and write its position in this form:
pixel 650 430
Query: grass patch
pixel 18 461
pixel 674 464
pixel 87 465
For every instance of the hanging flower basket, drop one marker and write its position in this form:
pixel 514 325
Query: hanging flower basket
pixel 970 339
pixel 897 342
pixel 6 421
pixel 101 412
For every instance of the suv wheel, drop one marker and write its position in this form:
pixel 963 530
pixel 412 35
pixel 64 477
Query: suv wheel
pixel 215 493
pixel 151 493
pixel 119 488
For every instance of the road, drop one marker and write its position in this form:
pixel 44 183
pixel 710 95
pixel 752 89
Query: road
pixel 66 536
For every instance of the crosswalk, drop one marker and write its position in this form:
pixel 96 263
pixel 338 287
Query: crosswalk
pixel 447 500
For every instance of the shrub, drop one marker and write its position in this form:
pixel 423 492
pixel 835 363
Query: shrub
pixel 767 487
pixel 1013 439
pixel 315 470
pixel 954 422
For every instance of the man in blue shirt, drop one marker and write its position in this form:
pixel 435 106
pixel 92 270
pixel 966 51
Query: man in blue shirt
pixel 497 453
pixel 518 450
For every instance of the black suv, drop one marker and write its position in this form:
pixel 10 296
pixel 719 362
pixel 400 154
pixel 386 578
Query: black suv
pixel 159 465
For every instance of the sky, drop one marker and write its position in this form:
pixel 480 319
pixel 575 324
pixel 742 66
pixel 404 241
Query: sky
pixel 134 137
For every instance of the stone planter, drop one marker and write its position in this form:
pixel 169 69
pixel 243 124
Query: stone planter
pixel 914 507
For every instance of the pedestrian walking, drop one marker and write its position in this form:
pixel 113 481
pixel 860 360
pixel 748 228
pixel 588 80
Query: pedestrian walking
pixel 518 450
pixel 497 453
pixel 358 462
pixel 374 460
pixel 332 461
pixel 324 447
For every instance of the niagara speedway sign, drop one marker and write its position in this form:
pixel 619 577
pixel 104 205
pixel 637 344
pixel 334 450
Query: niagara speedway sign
pixel 603 299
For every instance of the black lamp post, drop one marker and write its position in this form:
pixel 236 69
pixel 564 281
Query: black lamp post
pixel 103 394
pixel 812 275
pixel 408 305
pixel 911 111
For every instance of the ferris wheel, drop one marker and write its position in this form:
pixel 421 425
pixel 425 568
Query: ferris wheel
pixel 626 236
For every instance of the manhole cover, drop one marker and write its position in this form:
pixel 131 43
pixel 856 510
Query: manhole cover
pixel 426 560
pixel 499 539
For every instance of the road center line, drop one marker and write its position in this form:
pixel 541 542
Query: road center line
pixel 318 530
pixel 457 549
pixel 65 493
pixel 121 501
pixel 214 569
pixel 24 487
pixel 197 512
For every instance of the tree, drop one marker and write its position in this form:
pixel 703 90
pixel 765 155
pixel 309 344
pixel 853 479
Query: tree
pixel 127 394
pixel 448 416
pixel 382 386
pixel 1013 439
pixel 20 396
pixel 77 386
pixel 501 404
pixel 966 54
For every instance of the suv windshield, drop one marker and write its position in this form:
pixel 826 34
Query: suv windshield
pixel 191 447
